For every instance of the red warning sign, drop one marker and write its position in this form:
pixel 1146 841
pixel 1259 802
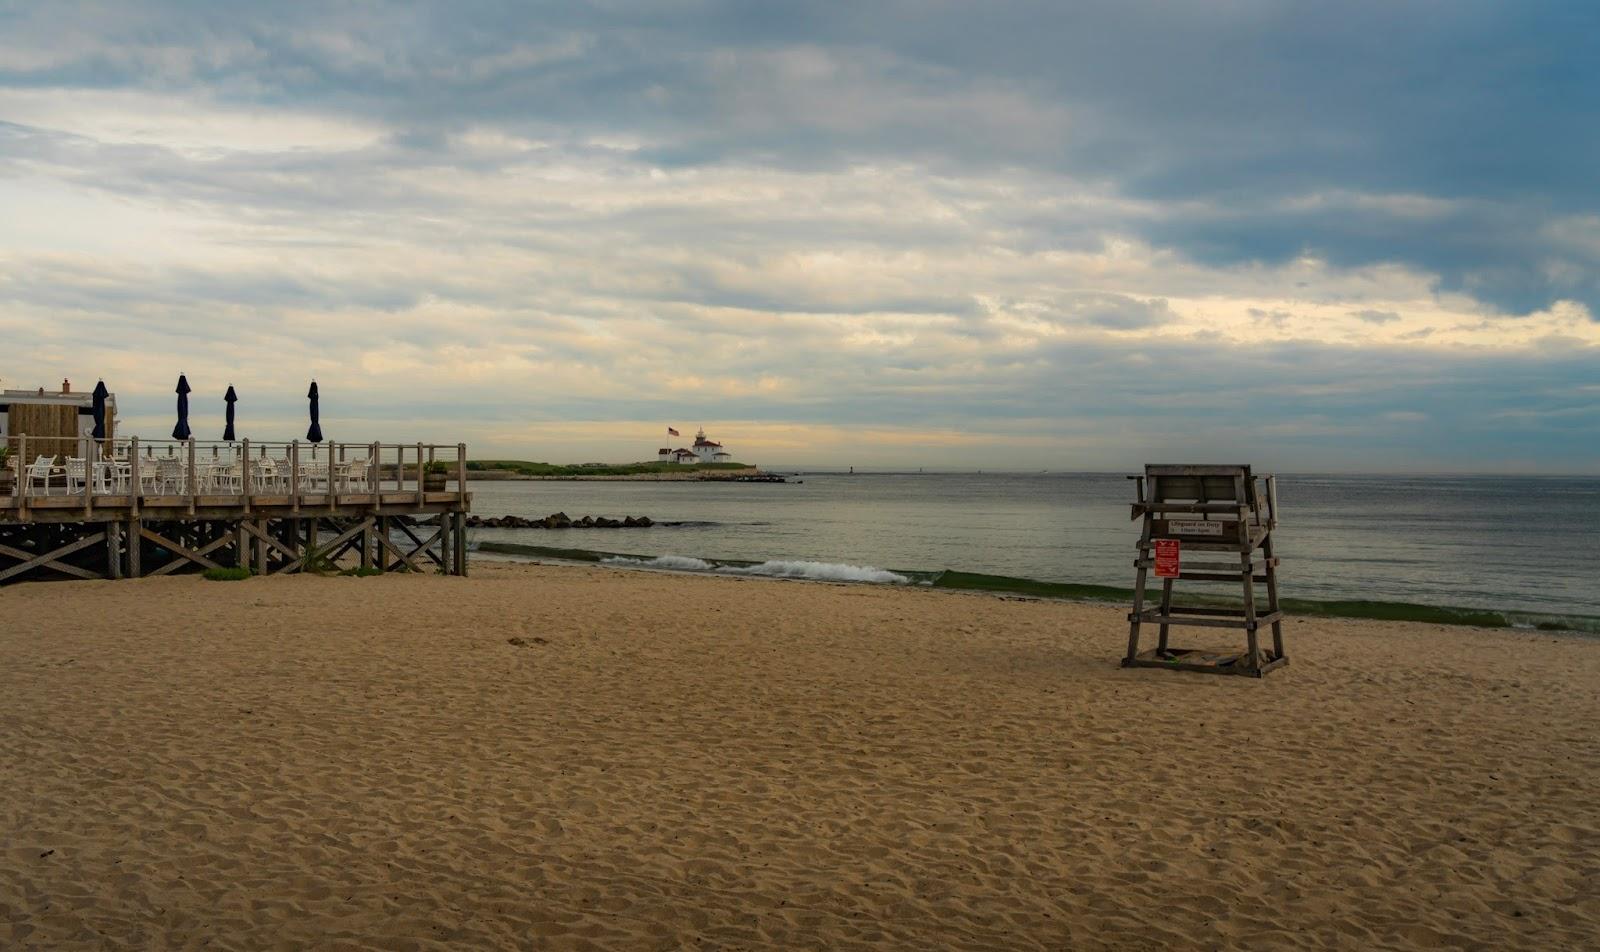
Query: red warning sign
pixel 1167 556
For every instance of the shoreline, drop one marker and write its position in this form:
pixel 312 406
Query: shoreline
pixel 952 580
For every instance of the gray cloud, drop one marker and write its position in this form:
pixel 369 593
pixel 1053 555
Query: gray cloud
pixel 854 214
pixel 1245 112
pixel 1114 311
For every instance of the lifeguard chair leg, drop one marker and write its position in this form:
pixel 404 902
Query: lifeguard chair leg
pixel 1254 645
pixel 1272 596
pixel 1246 576
pixel 1133 619
pixel 1166 609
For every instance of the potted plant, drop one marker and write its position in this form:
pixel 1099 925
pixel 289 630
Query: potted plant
pixel 7 478
pixel 433 477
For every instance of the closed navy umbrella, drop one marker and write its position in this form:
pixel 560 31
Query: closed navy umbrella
pixel 230 398
pixel 315 433
pixel 181 431
pixel 100 394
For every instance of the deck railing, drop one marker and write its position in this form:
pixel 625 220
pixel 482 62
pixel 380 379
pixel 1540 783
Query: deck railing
pixel 125 471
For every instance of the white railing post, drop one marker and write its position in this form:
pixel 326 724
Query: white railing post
pixel 461 475
pixel 244 475
pixel 419 474
pixel 294 475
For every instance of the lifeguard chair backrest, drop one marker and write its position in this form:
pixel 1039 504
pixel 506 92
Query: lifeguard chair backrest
pixel 1197 484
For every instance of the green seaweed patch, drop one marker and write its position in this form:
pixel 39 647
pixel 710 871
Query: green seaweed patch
pixel 976 582
pixel 222 573
pixel 1397 611
pixel 553 552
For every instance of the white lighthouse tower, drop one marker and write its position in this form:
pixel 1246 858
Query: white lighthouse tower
pixel 709 451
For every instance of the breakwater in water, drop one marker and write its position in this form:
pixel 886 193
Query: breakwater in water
pixel 560 520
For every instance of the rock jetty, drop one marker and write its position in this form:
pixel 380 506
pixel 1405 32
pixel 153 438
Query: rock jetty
pixel 559 520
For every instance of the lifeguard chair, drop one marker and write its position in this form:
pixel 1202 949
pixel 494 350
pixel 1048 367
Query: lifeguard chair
pixel 1226 514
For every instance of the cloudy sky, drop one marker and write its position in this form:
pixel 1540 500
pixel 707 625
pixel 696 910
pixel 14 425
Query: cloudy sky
pixel 1352 236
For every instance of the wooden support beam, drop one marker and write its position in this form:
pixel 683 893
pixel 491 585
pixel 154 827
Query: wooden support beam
pixel 1182 617
pixel 185 553
pixel 419 476
pixel 260 530
pixel 422 546
pixel 51 560
pixel 134 544
pixel 338 540
pixel 399 553
pixel 461 542
pixel 114 550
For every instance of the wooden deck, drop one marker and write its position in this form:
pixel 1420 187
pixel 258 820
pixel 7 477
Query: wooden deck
pixel 359 506
pixel 112 507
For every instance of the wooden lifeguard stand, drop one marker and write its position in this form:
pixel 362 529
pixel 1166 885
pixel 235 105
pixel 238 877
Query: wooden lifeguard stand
pixel 1225 510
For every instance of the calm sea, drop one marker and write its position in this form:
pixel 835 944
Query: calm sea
pixel 1528 544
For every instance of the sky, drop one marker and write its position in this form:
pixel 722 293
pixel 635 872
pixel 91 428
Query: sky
pixel 1347 237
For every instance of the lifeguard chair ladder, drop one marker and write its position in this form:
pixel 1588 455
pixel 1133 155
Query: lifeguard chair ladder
pixel 1207 509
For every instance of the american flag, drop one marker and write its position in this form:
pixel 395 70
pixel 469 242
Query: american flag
pixel 672 432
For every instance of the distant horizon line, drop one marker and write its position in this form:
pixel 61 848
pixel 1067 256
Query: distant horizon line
pixel 910 470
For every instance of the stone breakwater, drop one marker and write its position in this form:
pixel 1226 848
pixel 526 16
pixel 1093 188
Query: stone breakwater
pixel 560 520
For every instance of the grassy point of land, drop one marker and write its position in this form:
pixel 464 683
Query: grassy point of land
pixel 526 468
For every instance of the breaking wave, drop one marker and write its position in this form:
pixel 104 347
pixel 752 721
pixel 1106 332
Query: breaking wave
pixel 780 568
pixel 677 563
pixel 829 571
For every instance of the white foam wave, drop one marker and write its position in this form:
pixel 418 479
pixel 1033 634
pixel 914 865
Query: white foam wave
pixel 777 568
pixel 677 563
pixel 829 571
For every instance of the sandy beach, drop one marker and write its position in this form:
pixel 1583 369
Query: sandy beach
pixel 671 762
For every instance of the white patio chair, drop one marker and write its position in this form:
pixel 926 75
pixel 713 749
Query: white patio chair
pixel 77 474
pixel 353 474
pixel 263 475
pixel 149 476
pixel 313 476
pixel 283 474
pixel 171 477
pixel 42 469
pixel 101 471
pixel 228 478
pixel 117 473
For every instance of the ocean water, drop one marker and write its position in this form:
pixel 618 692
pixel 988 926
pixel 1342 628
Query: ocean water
pixel 1524 544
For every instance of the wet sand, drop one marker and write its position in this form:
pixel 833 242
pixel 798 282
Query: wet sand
pixel 676 761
